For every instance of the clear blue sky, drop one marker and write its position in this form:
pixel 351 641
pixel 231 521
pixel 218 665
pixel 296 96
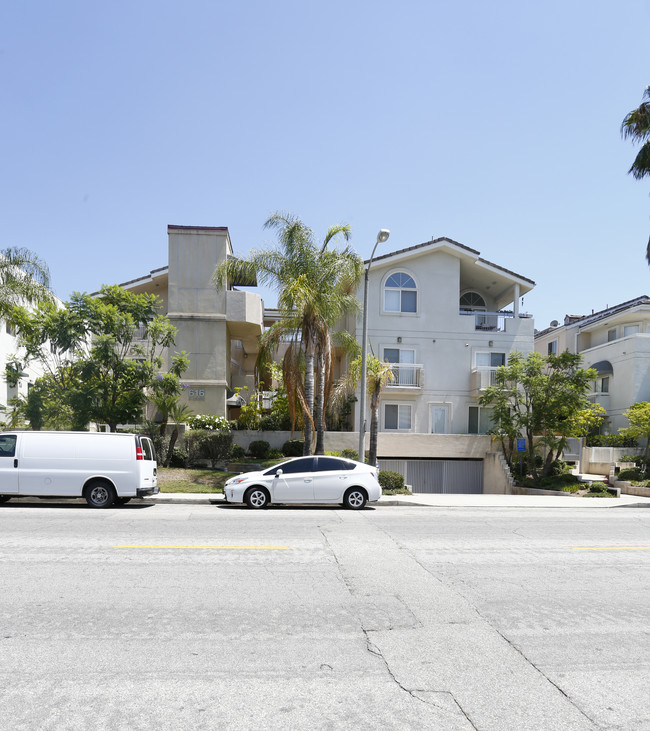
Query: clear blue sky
pixel 495 124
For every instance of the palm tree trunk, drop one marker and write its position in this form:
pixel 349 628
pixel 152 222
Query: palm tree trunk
pixel 320 401
pixel 374 426
pixel 309 398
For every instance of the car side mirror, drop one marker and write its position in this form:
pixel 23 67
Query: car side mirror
pixel 278 473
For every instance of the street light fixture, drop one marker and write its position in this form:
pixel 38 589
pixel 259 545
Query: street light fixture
pixel 381 237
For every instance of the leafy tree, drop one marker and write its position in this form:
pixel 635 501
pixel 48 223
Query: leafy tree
pixel 166 388
pixel 587 420
pixel 94 364
pixel 24 279
pixel 636 126
pixel 535 396
pixel 639 417
pixel 316 288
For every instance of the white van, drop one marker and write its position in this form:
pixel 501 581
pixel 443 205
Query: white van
pixel 106 469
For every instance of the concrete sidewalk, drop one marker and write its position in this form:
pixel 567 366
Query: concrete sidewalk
pixel 436 500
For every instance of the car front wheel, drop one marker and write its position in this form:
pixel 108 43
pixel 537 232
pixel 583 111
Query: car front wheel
pixel 354 498
pixel 257 498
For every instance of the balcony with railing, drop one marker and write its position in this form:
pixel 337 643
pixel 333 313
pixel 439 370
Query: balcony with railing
pixel 409 376
pixel 493 321
pixel 480 379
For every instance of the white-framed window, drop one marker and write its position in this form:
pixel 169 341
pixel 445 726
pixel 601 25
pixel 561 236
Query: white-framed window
pixel 602 385
pixel 397 417
pixel 400 293
pixel 630 330
pixel 489 359
pixel 611 335
pixel 472 301
pixel 552 347
pixel 479 420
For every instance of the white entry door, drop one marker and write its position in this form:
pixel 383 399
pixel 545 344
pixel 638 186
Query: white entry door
pixel 439 418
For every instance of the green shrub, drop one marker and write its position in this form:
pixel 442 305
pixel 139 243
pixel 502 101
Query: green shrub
pixel 390 480
pixel 350 454
pixel 179 458
pixel 558 467
pixel 259 449
pixel 630 474
pixel 237 452
pixel 293 447
pixel 214 446
pixel 332 454
pixel 598 489
pixel 610 440
pixel 567 479
pixel 274 454
pixel 571 488
pixel 274 422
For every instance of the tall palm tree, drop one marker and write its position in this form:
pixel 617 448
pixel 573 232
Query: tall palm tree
pixel 636 126
pixel 316 288
pixel 24 279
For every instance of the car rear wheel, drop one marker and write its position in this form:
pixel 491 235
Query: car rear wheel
pixel 257 498
pixel 99 494
pixel 355 498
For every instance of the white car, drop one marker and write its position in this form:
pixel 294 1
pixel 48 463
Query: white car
pixel 307 480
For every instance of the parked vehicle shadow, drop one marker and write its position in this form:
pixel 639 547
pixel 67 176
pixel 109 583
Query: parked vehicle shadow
pixel 71 504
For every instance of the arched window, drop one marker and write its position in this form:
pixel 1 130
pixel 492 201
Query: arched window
pixel 400 293
pixel 472 301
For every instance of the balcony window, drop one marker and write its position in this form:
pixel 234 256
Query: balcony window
pixel 400 293
pixel 630 330
pixel 397 417
pixel 611 335
pixel 602 385
pixel 405 372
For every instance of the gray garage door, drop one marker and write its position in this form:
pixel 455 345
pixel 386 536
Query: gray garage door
pixel 439 475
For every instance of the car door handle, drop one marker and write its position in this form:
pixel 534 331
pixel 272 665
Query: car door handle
pixel 15 463
pixel 308 479
pixel 343 477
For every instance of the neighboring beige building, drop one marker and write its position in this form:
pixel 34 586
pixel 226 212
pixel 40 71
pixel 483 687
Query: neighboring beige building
pixel 446 318
pixel 218 330
pixel 614 341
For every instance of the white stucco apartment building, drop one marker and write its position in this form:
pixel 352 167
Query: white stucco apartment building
pixel 446 318
pixel 614 341
pixel 218 330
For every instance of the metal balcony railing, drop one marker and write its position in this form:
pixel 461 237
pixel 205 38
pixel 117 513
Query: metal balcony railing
pixel 406 374
pixel 491 321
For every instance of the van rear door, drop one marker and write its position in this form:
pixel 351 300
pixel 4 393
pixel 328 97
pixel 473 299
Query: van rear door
pixel 8 471
pixel 148 467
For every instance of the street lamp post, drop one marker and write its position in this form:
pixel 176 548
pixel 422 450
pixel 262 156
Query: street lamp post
pixel 381 237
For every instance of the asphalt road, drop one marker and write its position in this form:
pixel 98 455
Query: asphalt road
pixel 217 617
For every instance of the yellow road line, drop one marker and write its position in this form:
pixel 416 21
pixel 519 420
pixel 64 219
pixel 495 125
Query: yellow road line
pixel 611 548
pixel 237 548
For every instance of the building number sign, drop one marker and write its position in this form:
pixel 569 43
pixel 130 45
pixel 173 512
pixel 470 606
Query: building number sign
pixel 196 394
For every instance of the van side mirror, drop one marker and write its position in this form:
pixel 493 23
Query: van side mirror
pixel 278 473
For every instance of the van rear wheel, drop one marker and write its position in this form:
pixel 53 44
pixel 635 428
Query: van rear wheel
pixel 99 494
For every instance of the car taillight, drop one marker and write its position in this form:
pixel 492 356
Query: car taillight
pixel 138 453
